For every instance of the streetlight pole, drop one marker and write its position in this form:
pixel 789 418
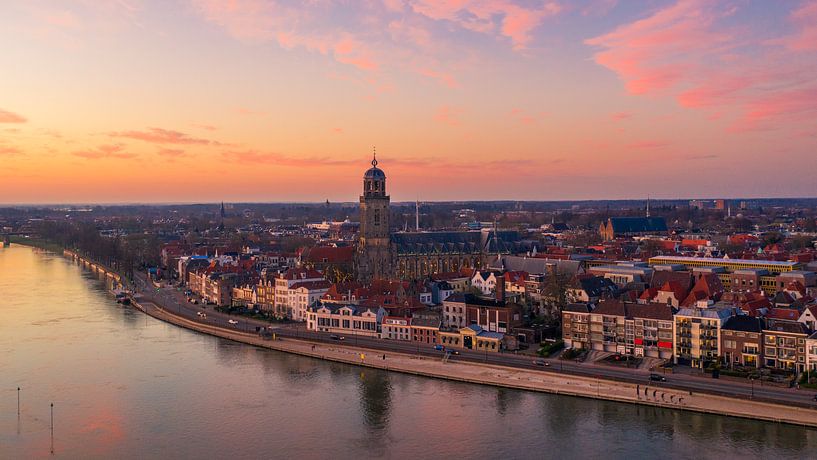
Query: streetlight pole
pixel 18 401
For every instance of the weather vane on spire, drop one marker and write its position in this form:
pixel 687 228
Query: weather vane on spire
pixel 374 156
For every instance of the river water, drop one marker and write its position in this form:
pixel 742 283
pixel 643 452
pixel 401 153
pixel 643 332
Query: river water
pixel 125 385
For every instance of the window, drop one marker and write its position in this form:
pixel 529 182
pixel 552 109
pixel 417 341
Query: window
pixel 377 217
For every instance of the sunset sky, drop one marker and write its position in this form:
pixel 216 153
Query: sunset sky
pixel 256 100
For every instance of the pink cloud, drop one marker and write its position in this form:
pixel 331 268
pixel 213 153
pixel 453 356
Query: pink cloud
pixel 350 51
pixel 9 117
pixel 444 78
pixel 648 145
pixel 484 16
pixel 619 116
pixel 207 127
pixel 8 150
pixel 805 19
pixel 691 51
pixel 447 115
pixel 246 111
pixel 526 117
pixel 161 136
pixel 290 26
pixel 105 151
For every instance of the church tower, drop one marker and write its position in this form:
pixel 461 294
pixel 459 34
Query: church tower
pixel 374 243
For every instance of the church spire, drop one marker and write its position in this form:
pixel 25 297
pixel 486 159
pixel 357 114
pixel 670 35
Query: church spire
pixel 374 157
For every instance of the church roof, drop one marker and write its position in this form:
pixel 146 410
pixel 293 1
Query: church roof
pixel 624 225
pixel 453 242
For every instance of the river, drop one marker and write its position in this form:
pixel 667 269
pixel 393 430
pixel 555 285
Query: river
pixel 125 385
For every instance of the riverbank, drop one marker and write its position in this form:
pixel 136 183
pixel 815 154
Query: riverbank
pixel 495 375
pixel 522 379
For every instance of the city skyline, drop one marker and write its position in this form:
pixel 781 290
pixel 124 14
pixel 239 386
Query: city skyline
pixel 255 101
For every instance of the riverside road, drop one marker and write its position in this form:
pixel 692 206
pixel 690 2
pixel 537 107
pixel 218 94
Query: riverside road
pixel 174 301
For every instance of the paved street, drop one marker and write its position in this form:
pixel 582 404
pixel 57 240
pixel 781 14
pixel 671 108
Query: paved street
pixel 175 301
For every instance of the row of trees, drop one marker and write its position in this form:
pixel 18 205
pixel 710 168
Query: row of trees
pixel 122 254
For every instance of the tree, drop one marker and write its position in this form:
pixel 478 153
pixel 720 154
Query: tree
pixel 772 238
pixel 554 293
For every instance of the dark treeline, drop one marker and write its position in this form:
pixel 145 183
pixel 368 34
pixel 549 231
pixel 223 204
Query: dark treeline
pixel 122 254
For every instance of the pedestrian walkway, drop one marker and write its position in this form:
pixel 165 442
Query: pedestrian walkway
pixel 525 379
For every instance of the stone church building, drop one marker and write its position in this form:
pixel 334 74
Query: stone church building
pixel 382 254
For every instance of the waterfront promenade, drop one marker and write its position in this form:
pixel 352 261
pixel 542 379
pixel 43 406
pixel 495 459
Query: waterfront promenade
pixel 488 374
pixel 163 304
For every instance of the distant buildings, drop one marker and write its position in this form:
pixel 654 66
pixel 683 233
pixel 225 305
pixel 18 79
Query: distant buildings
pixel 618 227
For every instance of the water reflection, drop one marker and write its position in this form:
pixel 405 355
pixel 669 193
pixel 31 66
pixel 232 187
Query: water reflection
pixel 129 386
pixel 375 398
pixel 507 400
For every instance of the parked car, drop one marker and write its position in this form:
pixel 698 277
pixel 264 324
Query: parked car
pixel 233 321
pixel 336 337
pixel 657 378
pixel 439 347
pixel 541 362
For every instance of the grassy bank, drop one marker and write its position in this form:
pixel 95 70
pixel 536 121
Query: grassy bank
pixel 37 243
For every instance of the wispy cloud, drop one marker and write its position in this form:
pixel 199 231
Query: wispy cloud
pixel 701 157
pixel 162 136
pixel 447 115
pixel 648 144
pixel 506 18
pixel 619 116
pixel 6 150
pixel 693 51
pixel 105 151
pixel 526 117
pixel 259 157
pixel 10 117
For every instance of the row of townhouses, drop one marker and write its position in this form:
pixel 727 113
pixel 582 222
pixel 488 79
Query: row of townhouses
pixel 696 335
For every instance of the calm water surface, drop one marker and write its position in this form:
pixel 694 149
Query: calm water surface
pixel 127 386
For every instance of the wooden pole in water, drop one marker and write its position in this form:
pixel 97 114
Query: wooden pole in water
pixel 52 428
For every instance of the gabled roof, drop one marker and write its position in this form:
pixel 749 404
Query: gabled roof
pixel 312 285
pixel 660 277
pixel 789 314
pixel 676 289
pixel 624 225
pixel 708 286
pixel 300 274
pixel 330 254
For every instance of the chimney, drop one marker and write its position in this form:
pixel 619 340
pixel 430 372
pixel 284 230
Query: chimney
pixel 500 289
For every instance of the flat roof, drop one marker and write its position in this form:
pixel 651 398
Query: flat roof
pixel 725 261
